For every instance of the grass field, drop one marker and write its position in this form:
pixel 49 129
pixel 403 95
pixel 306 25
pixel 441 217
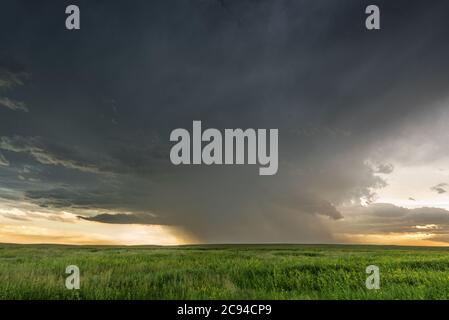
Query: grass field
pixel 223 272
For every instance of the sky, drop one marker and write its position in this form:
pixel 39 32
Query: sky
pixel 86 116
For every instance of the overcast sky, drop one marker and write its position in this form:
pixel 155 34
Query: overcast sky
pixel 86 116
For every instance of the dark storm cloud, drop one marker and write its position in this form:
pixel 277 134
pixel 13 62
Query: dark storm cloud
pixel 104 99
pixel 11 76
pixel 33 146
pixel 13 105
pixel 122 218
pixel 3 160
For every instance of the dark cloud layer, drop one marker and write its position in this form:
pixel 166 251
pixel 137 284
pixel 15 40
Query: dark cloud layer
pixel 383 218
pixel 103 100
pixel 122 218
pixel 10 77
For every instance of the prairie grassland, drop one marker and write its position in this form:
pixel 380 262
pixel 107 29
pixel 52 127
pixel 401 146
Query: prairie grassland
pixel 223 272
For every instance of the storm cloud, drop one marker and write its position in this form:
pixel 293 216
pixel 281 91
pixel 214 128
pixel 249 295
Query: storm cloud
pixel 103 100
pixel 11 76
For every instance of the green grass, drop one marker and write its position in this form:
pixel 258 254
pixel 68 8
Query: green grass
pixel 223 272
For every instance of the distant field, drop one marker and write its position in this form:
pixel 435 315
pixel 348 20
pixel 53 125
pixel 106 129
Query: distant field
pixel 223 272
